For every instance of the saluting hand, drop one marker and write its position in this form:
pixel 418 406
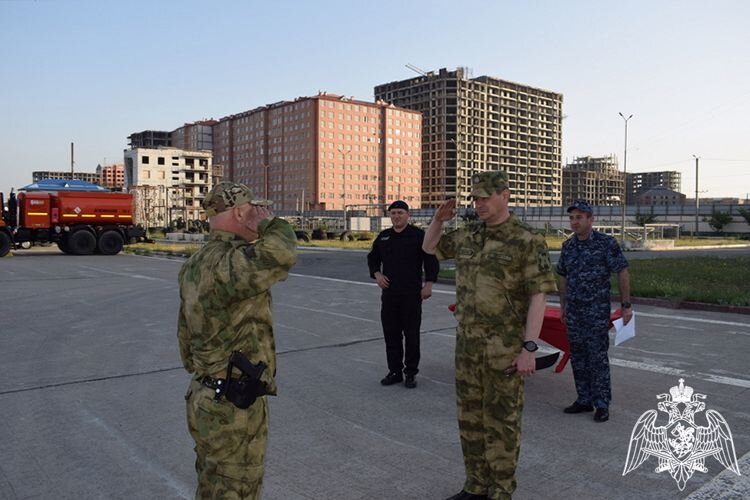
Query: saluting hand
pixel 446 211
pixel 262 213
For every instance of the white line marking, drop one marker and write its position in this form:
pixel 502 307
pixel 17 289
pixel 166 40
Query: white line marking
pixel 452 292
pixel 364 283
pixel 126 275
pixel 662 325
pixel 708 377
pixel 321 311
pixel 697 320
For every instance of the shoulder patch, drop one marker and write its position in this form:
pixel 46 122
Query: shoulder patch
pixel 543 261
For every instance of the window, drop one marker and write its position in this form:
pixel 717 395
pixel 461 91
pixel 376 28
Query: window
pixel 144 160
pixel 160 160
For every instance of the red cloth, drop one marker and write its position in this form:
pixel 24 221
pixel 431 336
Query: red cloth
pixel 555 333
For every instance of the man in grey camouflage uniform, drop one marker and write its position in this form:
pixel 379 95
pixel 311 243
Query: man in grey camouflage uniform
pixel 502 275
pixel 225 307
pixel 586 262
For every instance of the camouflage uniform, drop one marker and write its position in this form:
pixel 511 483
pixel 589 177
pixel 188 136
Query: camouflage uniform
pixel 498 269
pixel 225 307
pixel 586 266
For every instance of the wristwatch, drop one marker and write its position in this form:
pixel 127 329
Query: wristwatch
pixel 530 346
pixel 626 305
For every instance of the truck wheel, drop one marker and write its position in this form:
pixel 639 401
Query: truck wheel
pixel 110 243
pixel 4 244
pixel 81 242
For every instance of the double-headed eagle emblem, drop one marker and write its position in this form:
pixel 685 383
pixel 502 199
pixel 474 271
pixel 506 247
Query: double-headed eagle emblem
pixel 681 446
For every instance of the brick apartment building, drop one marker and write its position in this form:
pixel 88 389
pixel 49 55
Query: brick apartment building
pixel 111 176
pixel 323 152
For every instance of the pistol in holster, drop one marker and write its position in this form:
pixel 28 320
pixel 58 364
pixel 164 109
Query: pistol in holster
pixel 243 391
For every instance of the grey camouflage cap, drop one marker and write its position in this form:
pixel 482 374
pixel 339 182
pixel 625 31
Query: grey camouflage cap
pixel 226 195
pixel 486 184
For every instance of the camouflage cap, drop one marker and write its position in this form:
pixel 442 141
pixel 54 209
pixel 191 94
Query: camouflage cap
pixel 226 195
pixel 581 205
pixel 487 183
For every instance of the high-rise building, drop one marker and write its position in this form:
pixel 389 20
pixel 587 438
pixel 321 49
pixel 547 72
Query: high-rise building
pixel 470 125
pixel 111 176
pixel 150 139
pixel 168 183
pixel 596 180
pixel 639 182
pixel 40 175
pixel 197 136
pixel 325 152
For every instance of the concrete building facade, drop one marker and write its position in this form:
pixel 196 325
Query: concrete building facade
pixel 660 195
pixel 471 125
pixel 639 182
pixel 197 136
pixel 325 152
pixel 594 179
pixel 168 183
pixel 150 139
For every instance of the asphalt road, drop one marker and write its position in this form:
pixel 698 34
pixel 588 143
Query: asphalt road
pixel 352 264
pixel 91 392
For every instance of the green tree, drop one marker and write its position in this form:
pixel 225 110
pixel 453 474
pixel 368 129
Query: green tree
pixel 718 220
pixel 643 219
pixel 745 213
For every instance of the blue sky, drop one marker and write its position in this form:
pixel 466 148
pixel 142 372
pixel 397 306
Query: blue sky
pixel 92 72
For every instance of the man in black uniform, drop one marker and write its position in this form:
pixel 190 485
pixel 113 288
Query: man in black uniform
pixel 396 262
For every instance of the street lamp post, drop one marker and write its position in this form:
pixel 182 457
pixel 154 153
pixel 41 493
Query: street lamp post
pixel 625 179
pixel 697 202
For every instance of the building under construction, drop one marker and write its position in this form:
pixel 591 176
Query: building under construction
pixel 638 183
pixel 596 180
pixel 471 125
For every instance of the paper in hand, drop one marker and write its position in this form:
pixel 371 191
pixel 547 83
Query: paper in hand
pixel 624 332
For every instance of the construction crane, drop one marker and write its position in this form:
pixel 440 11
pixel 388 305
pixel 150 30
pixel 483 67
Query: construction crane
pixel 417 70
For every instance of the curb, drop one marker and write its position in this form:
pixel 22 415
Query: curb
pixel 691 306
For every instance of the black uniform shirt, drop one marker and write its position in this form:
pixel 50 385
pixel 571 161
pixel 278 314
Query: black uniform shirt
pixel 402 260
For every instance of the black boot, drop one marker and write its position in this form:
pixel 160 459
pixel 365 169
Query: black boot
pixel 392 378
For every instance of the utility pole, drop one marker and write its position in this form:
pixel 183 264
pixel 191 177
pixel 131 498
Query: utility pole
pixel 72 160
pixel 343 152
pixel 697 200
pixel 625 180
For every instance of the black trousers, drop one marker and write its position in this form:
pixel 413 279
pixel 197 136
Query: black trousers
pixel 401 316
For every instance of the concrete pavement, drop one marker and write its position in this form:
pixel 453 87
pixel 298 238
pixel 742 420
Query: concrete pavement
pixel 91 391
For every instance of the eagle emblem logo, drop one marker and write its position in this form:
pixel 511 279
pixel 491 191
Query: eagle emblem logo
pixel 681 446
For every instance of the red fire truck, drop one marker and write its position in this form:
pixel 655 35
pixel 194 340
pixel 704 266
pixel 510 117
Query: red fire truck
pixel 81 223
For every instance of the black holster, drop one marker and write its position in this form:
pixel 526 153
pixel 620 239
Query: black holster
pixel 243 391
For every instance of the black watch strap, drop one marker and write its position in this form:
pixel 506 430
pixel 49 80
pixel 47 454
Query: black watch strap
pixel 530 346
pixel 626 305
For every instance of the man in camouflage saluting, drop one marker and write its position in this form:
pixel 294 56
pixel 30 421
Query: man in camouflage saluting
pixel 226 307
pixel 502 275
